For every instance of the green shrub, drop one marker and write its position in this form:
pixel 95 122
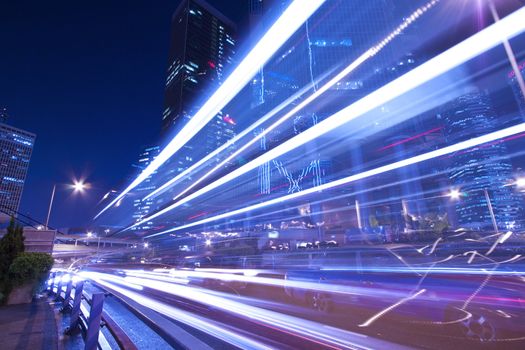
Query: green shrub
pixel 30 267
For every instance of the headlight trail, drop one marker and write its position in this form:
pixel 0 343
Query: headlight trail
pixel 389 167
pixel 390 308
pixel 349 69
pixel 309 330
pixel 480 42
pixel 190 319
pixel 287 24
pixel 267 281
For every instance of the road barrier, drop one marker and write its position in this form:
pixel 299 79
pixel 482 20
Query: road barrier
pixel 86 312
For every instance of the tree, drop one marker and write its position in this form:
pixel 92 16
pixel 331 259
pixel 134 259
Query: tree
pixel 11 245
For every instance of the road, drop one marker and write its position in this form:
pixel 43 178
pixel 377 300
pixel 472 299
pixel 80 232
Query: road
pixel 450 304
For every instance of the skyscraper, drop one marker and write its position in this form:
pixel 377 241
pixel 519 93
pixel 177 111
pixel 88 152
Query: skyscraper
pixel 201 51
pixel 202 47
pixel 485 168
pixel 17 146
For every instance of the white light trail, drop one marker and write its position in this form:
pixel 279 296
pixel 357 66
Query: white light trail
pixel 369 173
pixel 310 330
pixel 390 308
pixel 318 92
pixel 268 281
pixel 500 240
pixel 202 324
pixel 287 24
pixel 480 42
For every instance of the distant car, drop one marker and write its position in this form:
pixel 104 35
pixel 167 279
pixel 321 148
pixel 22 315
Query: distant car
pixel 304 245
pixel 325 244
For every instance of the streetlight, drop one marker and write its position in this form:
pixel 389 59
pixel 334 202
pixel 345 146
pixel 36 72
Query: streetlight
pixel 520 183
pixel 454 194
pixel 90 234
pixel 78 186
pixel 146 244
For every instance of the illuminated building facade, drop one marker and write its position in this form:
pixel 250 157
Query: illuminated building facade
pixel 142 208
pixel 518 94
pixel 485 168
pixel 17 146
pixel 201 50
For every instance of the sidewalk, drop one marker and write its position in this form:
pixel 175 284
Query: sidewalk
pixel 28 326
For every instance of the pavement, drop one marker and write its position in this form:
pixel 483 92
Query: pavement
pixel 29 326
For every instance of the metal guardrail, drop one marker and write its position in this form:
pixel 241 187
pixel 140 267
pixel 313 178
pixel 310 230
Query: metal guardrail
pixel 87 314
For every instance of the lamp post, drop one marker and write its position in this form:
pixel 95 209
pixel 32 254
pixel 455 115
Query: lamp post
pixel 78 186
pixel 491 211
pixel 455 194
pixel 520 183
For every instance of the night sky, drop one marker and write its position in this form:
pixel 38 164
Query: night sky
pixel 88 79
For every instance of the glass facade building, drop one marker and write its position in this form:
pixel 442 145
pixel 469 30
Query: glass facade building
pixel 486 168
pixel 17 146
pixel 201 50
pixel 141 208
pixel 516 89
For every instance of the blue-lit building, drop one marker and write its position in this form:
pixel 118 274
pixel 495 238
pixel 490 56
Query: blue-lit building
pixel 484 168
pixel 516 89
pixel 142 208
pixel 337 34
pixel 17 146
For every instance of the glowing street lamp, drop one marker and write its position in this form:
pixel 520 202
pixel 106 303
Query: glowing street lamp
pixel 208 242
pixel 454 194
pixel 520 183
pixel 90 234
pixel 78 186
pixel 146 244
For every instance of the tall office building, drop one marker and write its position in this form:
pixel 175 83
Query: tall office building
pixel 142 208
pixel 17 146
pixel 202 47
pixel 201 52
pixel 485 168
pixel 516 89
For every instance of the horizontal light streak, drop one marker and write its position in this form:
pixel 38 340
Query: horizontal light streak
pixel 478 43
pixel 200 323
pixel 291 19
pixel 309 330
